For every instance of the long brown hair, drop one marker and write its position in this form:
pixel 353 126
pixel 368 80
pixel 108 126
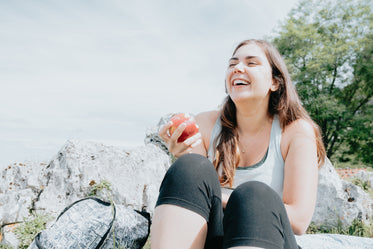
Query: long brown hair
pixel 284 101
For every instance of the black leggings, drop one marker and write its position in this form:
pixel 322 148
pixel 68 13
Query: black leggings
pixel 254 215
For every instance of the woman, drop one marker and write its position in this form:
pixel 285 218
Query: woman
pixel 262 144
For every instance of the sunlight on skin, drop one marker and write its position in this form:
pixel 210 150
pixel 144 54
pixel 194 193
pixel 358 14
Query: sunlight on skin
pixel 166 228
pixel 177 227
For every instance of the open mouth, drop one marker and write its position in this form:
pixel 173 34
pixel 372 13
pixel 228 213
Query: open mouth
pixel 240 82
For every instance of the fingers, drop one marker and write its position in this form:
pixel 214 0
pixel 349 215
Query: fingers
pixel 186 151
pixel 163 132
pixel 179 149
pixel 193 141
pixel 195 144
pixel 187 146
pixel 177 133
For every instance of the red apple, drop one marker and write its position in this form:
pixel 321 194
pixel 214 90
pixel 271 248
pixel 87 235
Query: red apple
pixel 190 129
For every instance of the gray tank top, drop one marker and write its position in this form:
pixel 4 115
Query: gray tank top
pixel 270 170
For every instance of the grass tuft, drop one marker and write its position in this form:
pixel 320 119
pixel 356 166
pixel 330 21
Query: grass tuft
pixel 365 185
pixel 147 244
pixel 95 188
pixel 5 247
pixel 357 228
pixel 30 227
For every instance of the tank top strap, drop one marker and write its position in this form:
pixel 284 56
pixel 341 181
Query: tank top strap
pixel 214 134
pixel 275 139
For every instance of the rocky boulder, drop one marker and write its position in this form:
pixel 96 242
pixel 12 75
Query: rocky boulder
pixel 340 201
pixel 20 186
pixel 365 176
pixel 152 137
pixel 134 176
pixel 333 241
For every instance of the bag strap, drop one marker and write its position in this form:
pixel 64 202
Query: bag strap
pixel 37 237
pixel 110 226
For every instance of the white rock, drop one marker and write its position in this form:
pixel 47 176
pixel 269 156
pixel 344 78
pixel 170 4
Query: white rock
pixel 339 200
pixel 333 241
pixel 135 175
pixel 15 205
pixel 20 176
pixel 365 176
pixel 9 237
pixel 151 134
pixel 19 186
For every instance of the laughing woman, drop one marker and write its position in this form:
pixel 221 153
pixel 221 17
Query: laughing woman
pixel 249 178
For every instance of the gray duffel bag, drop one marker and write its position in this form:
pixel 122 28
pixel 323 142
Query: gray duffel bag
pixel 91 223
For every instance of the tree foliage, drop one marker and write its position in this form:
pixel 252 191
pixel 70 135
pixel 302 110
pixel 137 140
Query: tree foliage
pixel 328 47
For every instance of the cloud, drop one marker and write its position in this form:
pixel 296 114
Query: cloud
pixel 106 70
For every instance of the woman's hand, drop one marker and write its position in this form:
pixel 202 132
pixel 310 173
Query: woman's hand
pixel 175 148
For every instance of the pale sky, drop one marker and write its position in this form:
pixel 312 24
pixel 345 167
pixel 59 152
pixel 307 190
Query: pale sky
pixel 107 70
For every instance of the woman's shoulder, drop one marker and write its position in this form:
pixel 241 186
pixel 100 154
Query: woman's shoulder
pixel 206 122
pixel 298 127
pixel 208 117
pixel 296 132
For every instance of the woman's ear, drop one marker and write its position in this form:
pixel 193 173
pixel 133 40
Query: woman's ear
pixel 275 84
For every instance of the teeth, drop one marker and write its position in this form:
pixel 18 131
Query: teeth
pixel 239 82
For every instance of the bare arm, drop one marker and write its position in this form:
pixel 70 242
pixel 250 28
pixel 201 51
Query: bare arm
pixel 301 174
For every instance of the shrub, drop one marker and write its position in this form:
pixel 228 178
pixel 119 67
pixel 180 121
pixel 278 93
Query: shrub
pixel 5 247
pixel 357 228
pixel 30 227
pixel 365 185
pixel 97 187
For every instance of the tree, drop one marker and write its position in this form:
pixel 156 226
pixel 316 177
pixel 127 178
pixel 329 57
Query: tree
pixel 328 48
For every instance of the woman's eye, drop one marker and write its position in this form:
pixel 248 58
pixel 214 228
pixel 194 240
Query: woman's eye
pixel 251 63
pixel 232 65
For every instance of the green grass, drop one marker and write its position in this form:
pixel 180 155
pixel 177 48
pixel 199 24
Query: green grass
pixel 147 244
pixel 29 228
pixel 357 228
pixel 5 247
pixel 342 159
pixel 365 185
pixel 95 188
pixel 350 161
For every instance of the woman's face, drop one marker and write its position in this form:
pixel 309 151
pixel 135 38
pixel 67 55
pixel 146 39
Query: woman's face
pixel 249 75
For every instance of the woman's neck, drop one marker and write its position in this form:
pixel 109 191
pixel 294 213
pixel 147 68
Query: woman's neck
pixel 251 119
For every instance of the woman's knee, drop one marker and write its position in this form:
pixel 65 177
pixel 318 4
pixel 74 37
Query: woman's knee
pixel 191 168
pixel 252 212
pixel 255 190
pixel 191 175
pixel 253 196
pixel 192 183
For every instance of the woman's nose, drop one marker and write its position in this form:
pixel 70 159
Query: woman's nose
pixel 239 67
